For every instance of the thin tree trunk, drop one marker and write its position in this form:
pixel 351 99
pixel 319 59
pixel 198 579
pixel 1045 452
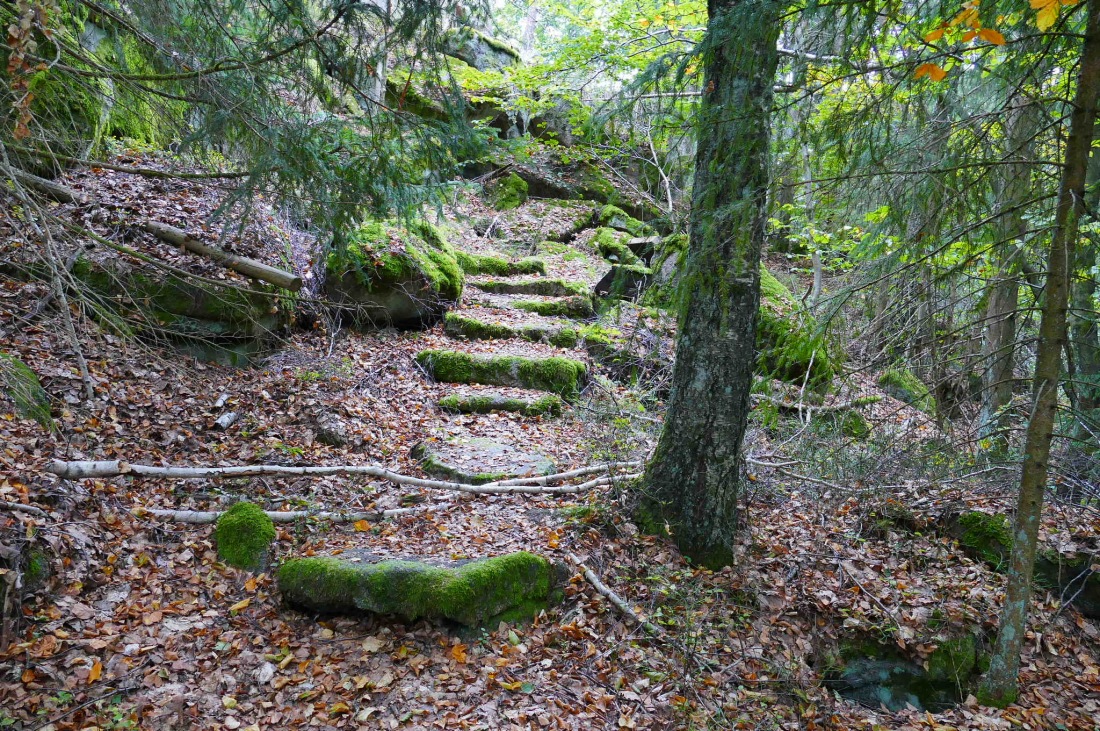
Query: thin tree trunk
pixel 999 686
pixel 999 343
pixel 691 485
pixel 1083 335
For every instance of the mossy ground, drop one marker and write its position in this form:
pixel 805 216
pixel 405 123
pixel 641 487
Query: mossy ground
pixel 472 594
pixel 607 242
pixel 562 376
pixel 244 535
pixel 904 386
pixel 508 192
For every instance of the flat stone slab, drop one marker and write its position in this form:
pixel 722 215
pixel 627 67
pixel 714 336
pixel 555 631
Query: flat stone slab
pixel 562 376
pixel 542 286
pixel 475 593
pixel 477 460
pixel 485 402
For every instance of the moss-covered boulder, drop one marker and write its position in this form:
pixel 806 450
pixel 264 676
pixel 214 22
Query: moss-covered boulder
pixel 498 266
pixel 577 307
pixel 610 245
pixel 985 536
pixel 388 275
pixel 624 282
pixel 507 192
pixel 224 324
pixel 481 51
pixel 244 535
pixel 512 587
pixel 904 386
pixel 562 376
pixel 476 460
pixel 485 403
pixel 20 385
pixel 542 287
pixel 618 219
pixel 788 342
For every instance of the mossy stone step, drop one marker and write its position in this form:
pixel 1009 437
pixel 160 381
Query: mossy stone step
pixel 498 266
pixel 577 307
pixel 487 402
pixel 542 287
pixel 512 587
pixel 471 328
pixel 477 460
pixel 563 376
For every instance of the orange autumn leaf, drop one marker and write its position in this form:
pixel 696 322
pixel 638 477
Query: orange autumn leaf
pixel 96 672
pixel 991 36
pixel 934 35
pixel 362 526
pixel 250 584
pixel 458 652
pixel 240 605
pixel 931 70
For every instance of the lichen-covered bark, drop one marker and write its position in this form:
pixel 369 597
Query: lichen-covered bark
pixel 692 481
pixel 999 685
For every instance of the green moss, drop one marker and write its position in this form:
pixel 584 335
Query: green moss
pixel 553 247
pixel 541 287
pixel 550 405
pixel 37 570
pixel 854 425
pixel 469 328
pixel 508 192
pixel 473 594
pixel 607 243
pixel 954 660
pixel 788 342
pixel 616 218
pixel 986 536
pixel 20 384
pixel 904 386
pixel 244 535
pixel 562 376
pixel 578 307
pixel 499 266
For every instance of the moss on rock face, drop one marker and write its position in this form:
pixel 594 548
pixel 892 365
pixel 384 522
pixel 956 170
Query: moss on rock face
pixel 616 218
pixel 20 384
pixel 607 243
pixel 985 536
pixel 498 266
pixel 473 594
pixel 244 535
pixel 550 405
pixel 541 287
pixel 562 376
pixel 389 275
pixel 508 192
pixel 904 386
pixel 578 308
pixel 469 328
pixel 787 338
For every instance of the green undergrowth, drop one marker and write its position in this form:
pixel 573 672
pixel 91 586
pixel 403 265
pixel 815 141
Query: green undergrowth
pixel 244 535
pixel 904 386
pixel 513 586
pixel 21 385
pixel 562 376
pixel 789 344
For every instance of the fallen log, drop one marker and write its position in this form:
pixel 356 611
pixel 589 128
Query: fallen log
pixel 239 264
pixel 50 189
pixel 79 470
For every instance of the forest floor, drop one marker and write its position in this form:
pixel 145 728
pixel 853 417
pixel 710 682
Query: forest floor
pixel 140 625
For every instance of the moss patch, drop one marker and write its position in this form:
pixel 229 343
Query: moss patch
pixel 578 308
pixel 498 266
pixel 985 536
pixel 549 405
pixel 541 287
pixel 562 376
pixel 469 328
pixel 611 248
pixel 508 192
pixel 20 384
pixel 904 386
pixel 616 218
pixel 244 535
pixel 473 594
pixel 788 342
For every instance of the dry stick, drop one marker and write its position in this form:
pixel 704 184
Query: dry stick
pixel 78 470
pixel 21 508
pixel 614 598
pixel 801 408
pixel 204 517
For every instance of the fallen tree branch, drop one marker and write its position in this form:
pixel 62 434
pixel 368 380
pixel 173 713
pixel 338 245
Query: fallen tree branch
pixel 801 408
pixel 21 508
pixel 241 265
pixel 79 470
pixel 614 598
pixel 203 517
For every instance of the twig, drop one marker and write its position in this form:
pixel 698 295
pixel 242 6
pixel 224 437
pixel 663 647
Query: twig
pixel 21 508
pixel 203 517
pixel 614 598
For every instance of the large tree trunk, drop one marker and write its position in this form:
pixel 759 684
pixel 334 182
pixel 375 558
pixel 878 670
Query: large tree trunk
pixel 999 684
pixel 999 343
pixel 691 485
